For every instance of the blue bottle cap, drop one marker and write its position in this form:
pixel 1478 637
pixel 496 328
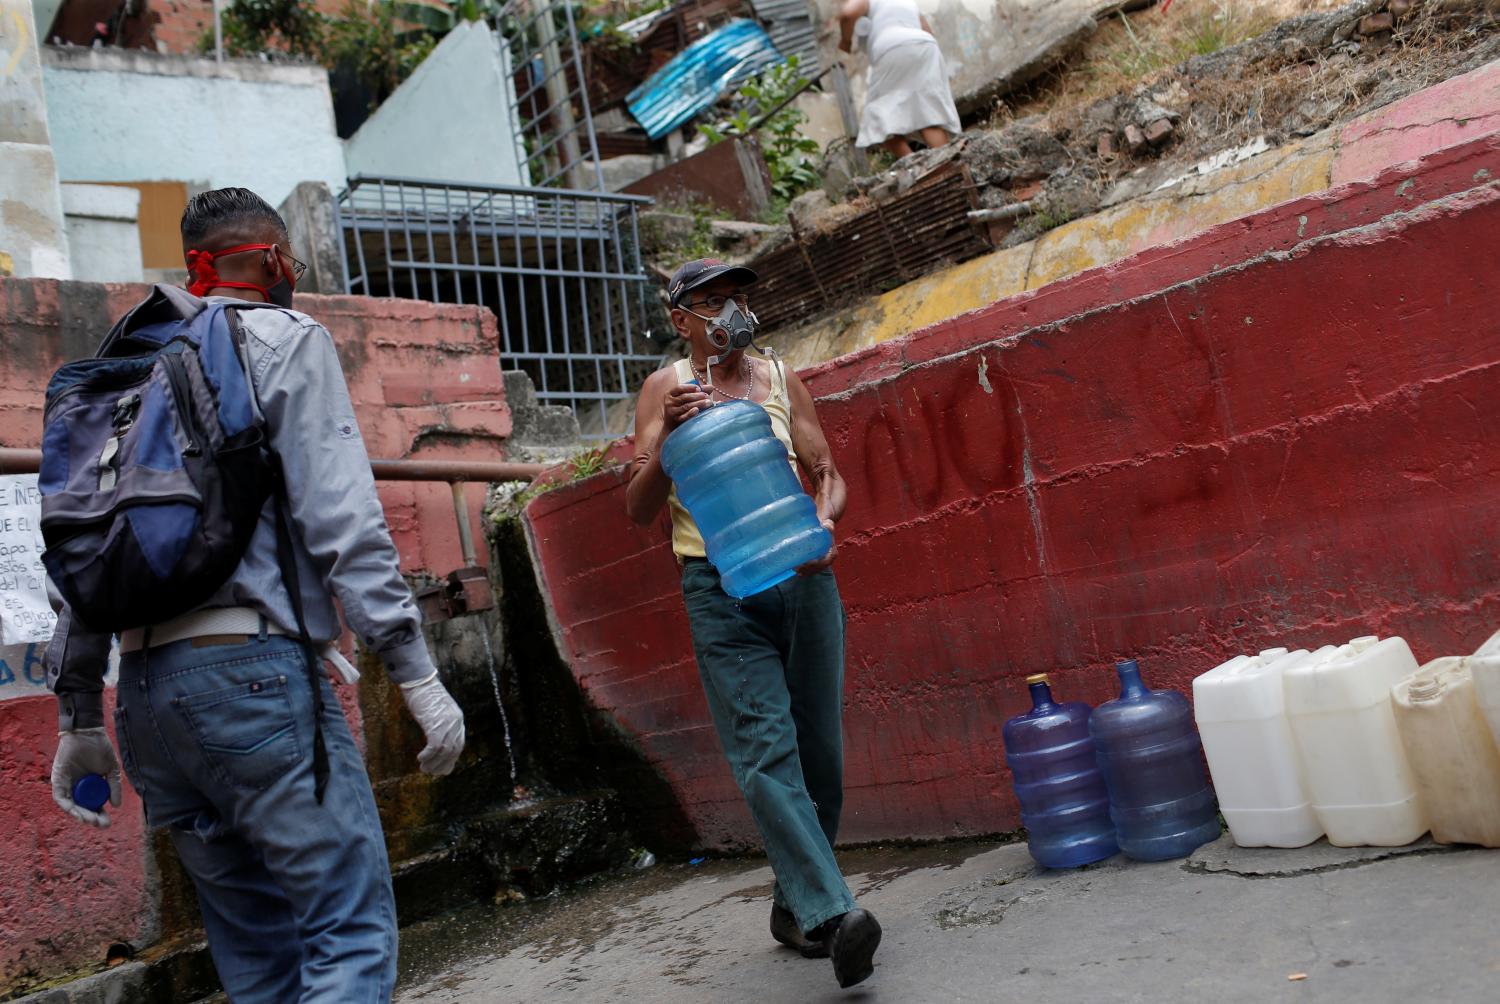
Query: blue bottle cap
pixel 91 792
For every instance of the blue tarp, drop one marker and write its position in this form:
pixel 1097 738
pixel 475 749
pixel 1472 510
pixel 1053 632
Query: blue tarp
pixel 695 77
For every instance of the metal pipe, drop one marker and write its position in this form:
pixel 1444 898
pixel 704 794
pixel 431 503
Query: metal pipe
pixel 465 533
pixel 14 461
pixel 1009 212
pixel 18 461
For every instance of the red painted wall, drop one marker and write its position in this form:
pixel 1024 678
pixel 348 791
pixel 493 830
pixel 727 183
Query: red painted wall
pixel 425 380
pixel 1280 432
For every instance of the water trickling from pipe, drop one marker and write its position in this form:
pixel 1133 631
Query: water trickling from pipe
pixel 510 752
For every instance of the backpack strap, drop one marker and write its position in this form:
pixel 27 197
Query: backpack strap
pixel 286 561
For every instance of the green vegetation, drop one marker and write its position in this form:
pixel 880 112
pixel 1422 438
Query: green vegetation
pixel 1050 216
pixel 583 464
pixel 789 155
pixel 1194 29
pixel 603 26
pixel 382 43
pixel 587 463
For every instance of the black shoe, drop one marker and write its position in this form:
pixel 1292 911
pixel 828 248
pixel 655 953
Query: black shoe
pixel 853 945
pixel 785 930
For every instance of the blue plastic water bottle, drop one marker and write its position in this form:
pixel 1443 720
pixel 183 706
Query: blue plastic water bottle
pixel 1064 805
pixel 1153 767
pixel 91 792
pixel 733 475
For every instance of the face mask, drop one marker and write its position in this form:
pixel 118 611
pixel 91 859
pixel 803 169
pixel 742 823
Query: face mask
pixel 731 330
pixel 205 276
pixel 279 292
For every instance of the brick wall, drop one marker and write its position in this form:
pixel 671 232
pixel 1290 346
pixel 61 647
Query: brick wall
pixel 1279 432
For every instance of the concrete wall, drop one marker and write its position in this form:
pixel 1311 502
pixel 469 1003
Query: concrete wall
pixel 32 238
pixel 103 232
pixel 129 115
pixel 1275 433
pixel 425 380
pixel 450 120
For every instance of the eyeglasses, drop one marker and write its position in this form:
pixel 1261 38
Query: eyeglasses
pixel 716 303
pixel 297 267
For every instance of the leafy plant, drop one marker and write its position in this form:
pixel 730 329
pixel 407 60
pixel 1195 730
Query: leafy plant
pixel 382 42
pixel 252 27
pixel 381 49
pixel 587 463
pixel 789 154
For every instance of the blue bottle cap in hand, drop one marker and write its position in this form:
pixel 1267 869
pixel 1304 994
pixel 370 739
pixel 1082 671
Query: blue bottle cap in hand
pixel 91 792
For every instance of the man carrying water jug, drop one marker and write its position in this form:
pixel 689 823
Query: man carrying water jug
pixel 772 663
pixel 227 725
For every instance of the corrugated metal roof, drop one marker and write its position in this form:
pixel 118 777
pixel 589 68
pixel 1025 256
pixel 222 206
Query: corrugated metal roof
pixel 695 77
pixel 793 29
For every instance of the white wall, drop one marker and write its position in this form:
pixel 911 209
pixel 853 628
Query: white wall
pixel 103 233
pixel 449 121
pixel 129 115
pixel 31 218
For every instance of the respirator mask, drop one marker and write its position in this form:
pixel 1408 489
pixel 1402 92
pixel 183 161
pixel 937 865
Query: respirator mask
pixel 731 330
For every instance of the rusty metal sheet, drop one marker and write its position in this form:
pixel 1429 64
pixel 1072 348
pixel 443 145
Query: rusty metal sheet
pixel 887 245
pixel 715 177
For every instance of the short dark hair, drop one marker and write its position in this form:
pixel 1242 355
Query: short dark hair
pixel 209 211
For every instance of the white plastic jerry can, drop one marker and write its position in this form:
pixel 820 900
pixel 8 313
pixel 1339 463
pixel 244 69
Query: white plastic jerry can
pixel 1339 705
pixel 1241 714
pixel 1451 752
pixel 1484 665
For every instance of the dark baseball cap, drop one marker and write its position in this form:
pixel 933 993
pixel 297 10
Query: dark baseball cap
pixel 701 271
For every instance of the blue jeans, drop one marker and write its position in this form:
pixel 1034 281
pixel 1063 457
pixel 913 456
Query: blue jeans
pixel 773 671
pixel 296 895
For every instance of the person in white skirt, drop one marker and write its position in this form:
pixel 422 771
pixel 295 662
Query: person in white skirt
pixel 907 94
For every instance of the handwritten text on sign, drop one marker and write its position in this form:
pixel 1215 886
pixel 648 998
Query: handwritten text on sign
pixel 25 614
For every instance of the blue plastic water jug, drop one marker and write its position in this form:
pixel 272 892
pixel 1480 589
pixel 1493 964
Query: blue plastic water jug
pixel 1153 767
pixel 733 475
pixel 1064 805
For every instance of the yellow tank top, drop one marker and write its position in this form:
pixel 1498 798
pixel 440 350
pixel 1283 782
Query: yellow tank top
pixel 687 542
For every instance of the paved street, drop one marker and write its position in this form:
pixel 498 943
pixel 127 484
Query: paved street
pixel 977 922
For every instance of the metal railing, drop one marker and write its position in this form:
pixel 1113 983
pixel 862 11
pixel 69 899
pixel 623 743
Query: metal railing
pixel 559 267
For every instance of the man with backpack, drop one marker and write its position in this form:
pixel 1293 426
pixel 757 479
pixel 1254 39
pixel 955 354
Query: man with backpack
pixel 208 499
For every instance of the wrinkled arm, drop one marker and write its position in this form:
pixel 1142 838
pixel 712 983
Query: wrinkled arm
pixel 649 485
pixel 76 660
pixel 332 504
pixel 816 459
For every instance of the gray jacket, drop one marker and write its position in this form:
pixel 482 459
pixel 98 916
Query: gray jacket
pixel 342 545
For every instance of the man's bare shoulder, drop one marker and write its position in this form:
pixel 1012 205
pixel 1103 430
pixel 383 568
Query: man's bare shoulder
pixel 661 381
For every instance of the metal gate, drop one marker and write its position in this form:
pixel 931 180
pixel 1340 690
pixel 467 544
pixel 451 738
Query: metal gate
pixel 558 261
pixel 560 268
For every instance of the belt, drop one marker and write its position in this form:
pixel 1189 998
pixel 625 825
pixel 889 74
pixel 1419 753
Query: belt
pixel 238 623
pixel 224 626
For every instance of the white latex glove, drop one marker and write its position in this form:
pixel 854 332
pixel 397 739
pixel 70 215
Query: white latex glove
pixel 442 723
pixel 81 752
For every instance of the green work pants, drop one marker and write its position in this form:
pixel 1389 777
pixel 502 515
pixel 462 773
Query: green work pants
pixel 772 666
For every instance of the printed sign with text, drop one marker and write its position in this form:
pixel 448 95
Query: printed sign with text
pixel 25 614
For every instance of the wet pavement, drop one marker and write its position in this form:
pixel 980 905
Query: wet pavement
pixel 978 922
